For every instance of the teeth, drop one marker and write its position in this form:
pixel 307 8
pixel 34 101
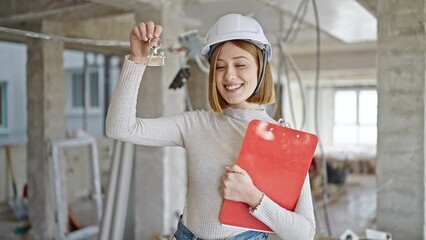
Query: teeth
pixel 232 87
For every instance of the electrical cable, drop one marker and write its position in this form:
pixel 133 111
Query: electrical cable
pixel 299 81
pixel 284 55
pixel 275 108
pixel 295 19
pixel 278 97
pixel 323 160
pixel 288 88
pixel 299 23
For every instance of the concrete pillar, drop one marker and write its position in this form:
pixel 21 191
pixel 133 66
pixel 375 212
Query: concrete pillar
pixel 46 91
pixel 160 181
pixel 401 118
pixel 198 84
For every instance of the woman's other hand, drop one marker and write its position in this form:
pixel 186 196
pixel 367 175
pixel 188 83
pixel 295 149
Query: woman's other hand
pixel 238 186
pixel 139 40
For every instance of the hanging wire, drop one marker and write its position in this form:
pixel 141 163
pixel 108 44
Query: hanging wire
pixel 321 148
pixel 299 23
pixel 278 96
pixel 296 20
pixel 291 32
pixel 300 84
pixel 288 88
pixel 105 43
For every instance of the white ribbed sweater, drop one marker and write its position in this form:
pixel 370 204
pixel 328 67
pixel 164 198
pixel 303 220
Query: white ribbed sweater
pixel 212 141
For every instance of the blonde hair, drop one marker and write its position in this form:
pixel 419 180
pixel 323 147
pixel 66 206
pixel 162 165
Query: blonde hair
pixel 266 93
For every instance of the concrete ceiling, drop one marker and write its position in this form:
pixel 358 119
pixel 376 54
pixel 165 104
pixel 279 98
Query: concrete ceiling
pixel 349 21
pixel 344 24
pixel 345 20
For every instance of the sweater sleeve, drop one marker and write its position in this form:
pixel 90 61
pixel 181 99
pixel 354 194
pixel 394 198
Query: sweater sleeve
pixel 299 224
pixel 121 121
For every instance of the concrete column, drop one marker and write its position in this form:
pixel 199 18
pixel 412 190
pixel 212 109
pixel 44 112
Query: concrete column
pixel 160 181
pixel 401 118
pixel 198 85
pixel 46 91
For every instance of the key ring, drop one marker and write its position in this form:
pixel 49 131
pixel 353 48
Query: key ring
pixel 155 57
pixel 159 44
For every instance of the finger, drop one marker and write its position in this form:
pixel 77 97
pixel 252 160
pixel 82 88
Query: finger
pixel 150 26
pixel 158 30
pixel 234 169
pixel 239 169
pixel 136 32
pixel 143 31
pixel 227 177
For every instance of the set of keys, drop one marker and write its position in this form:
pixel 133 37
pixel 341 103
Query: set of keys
pixel 156 58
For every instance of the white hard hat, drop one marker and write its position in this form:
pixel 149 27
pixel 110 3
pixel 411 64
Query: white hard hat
pixel 235 27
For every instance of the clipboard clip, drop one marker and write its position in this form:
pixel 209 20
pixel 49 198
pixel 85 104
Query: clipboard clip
pixel 283 123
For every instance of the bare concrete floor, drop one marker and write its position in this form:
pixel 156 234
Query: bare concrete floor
pixel 351 206
pixel 11 229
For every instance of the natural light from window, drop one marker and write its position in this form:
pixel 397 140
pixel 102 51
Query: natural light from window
pixel 355 117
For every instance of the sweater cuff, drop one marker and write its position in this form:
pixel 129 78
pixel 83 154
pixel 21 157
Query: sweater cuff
pixel 130 64
pixel 266 210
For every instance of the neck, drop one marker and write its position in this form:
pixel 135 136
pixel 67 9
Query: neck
pixel 245 105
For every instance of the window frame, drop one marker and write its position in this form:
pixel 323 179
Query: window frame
pixel 78 110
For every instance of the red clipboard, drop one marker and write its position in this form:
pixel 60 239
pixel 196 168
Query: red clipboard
pixel 277 158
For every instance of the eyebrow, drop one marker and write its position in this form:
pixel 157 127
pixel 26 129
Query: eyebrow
pixel 234 58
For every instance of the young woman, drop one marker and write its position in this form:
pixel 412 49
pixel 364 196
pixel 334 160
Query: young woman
pixel 240 81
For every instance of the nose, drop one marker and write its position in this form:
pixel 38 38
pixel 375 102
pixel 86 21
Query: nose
pixel 230 73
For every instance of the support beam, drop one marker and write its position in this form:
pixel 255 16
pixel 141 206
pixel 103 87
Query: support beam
pixel 401 118
pixel 153 5
pixel 16 7
pixel 75 12
pixel 46 91
pixel 160 177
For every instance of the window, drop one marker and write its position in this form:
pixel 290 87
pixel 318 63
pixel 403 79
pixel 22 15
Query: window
pixel 3 105
pixel 94 89
pixel 355 117
pixel 78 88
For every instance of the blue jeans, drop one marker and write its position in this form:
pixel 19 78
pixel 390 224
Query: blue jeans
pixel 183 233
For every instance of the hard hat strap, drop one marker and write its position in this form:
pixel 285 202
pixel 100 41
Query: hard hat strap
pixel 262 73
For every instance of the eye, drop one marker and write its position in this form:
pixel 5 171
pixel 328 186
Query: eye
pixel 220 67
pixel 240 64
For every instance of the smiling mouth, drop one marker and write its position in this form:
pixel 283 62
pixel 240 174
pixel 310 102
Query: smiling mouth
pixel 233 87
